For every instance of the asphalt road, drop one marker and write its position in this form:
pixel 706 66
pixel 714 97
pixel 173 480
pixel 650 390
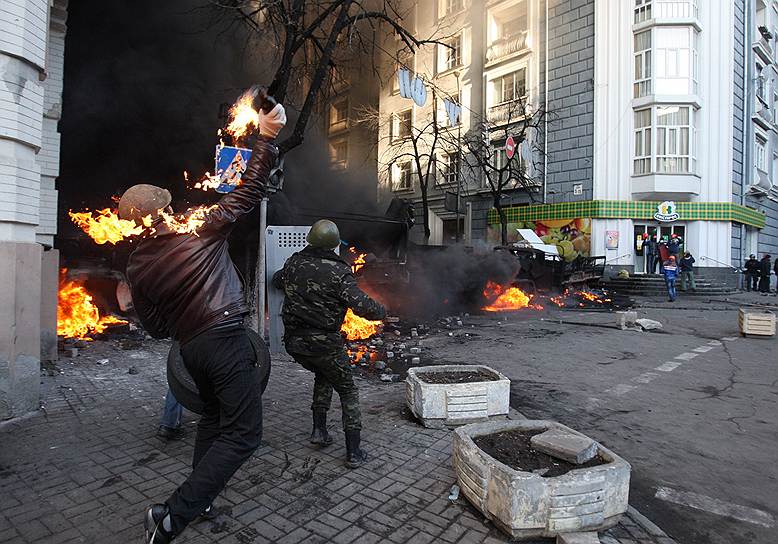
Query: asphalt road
pixel 696 415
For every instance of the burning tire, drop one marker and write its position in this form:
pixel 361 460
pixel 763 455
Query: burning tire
pixel 184 387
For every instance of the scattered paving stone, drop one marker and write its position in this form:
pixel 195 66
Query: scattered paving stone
pixel 572 448
pixel 132 370
pixel 578 538
pixel 648 324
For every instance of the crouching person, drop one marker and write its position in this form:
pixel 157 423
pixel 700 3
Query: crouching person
pixel 319 287
pixel 187 287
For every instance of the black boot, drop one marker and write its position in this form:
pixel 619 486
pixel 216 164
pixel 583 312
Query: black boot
pixel 355 456
pixel 156 523
pixel 320 435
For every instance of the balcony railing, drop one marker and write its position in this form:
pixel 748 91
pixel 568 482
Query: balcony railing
pixel 508 112
pixel 506 46
pixel 675 9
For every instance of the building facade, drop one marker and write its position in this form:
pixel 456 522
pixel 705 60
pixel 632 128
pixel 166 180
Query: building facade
pixel 662 121
pixel 32 43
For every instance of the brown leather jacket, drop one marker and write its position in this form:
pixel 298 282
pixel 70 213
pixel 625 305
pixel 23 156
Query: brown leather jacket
pixel 184 284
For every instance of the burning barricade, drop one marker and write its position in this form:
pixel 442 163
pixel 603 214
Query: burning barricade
pixel 77 315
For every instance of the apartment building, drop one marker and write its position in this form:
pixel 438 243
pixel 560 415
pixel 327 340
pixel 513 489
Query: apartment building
pixel 32 45
pixel 662 122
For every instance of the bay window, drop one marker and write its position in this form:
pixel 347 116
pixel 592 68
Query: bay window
pixel 664 141
pixel 666 61
pixel 642 64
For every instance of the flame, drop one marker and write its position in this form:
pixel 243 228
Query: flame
pixel 359 260
pixel 507 298
pixel 104 226
pixel 358 328
pixel 77 316
pixel 189 222
pixel 359 353
pixel 577 298
pixel 243 116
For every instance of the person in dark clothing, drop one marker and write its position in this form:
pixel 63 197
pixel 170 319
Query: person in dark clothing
pixel 775 269
pixel 652 248
pixel 751 272
pixel 319 288
pixel 674 246
pixel 764 274
pixel 687 271
pixel 170 422
pixel 670 271
pixel 185 285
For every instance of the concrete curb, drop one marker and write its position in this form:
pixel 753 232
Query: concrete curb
pixel 649 526
pixel 11 424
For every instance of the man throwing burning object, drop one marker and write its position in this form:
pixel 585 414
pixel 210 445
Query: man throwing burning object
pixel 319 288
pixel 186 286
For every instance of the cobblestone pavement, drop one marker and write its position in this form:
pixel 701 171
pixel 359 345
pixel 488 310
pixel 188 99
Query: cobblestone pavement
pixel 84 469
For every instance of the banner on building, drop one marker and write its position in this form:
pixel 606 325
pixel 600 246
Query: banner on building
pixel 611 239
pixel 572 237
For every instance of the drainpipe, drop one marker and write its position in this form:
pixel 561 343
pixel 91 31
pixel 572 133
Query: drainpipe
pixel 545 120
pixel 748 73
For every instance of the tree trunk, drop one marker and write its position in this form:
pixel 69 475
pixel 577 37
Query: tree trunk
pixel 503 220
pixel 425 210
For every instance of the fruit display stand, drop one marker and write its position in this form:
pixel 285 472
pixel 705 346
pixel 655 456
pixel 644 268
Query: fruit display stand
pixel 756 322
pixel 437 403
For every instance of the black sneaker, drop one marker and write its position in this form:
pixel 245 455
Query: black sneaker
pixel 153 525
pixel 171 433
pixel 209 513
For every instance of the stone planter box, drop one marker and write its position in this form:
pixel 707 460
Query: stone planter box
pixel 442 404
pixel 526 505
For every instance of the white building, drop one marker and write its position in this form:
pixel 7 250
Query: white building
pixel 32 44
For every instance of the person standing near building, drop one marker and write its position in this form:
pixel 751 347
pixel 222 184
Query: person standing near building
pixel 674 246
pixel 648 250
pixel 670 271
pixel 186 286
pixel 687 271
pixel 319 288
pixel 764 274
pixel 775 269
pixel 170 422
pixel 752 273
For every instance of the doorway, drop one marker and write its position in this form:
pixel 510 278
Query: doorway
pixel 663 232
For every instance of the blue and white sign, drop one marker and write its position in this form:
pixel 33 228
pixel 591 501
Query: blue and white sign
pixel 231 162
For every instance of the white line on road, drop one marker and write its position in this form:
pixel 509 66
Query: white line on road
pixel 716 506
pixel 729 338
pixel 703 349
pixel 686 356
pixel 646 377
pixel 620 389
pixel 714 343
pixel 669 366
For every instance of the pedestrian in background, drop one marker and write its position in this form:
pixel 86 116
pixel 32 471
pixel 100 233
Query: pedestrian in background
pixel 687 271
pixel 170 423
pixel 649 248
pixel 764 274
pixel 775 269
pixel 670 271
pixel 674 245
pixel 752 273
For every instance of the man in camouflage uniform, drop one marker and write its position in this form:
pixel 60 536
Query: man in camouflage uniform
pixel 319 288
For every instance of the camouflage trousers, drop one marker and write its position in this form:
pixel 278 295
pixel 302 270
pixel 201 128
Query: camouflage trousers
pixel 330 365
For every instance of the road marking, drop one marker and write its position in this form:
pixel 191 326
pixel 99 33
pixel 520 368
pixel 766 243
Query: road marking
pixel 729 338
pixel 714 343
pixel 646 377
pixel 669 366
pixel 716 506
pixel 703 349
pixel 620 389
pixel 686 356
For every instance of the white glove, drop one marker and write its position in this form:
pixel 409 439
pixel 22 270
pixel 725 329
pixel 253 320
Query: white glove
pixel 270 124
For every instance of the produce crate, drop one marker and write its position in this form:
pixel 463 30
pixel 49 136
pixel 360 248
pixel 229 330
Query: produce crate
pixel 756 322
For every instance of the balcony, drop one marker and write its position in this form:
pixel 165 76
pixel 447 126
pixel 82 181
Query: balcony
pixel 764 50
pixel 663 12
pixel 762 116
pixel 665 186
pixel 508 112
pixel 506 47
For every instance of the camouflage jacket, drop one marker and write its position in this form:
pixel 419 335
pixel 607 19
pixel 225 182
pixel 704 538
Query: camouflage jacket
pixel 319 288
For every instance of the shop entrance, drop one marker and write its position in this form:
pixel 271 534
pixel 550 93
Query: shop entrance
pixel 663 232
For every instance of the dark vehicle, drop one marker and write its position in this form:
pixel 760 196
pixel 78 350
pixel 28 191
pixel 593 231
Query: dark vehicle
pixel 545 271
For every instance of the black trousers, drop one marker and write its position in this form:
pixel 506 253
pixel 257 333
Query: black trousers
pixel 224 367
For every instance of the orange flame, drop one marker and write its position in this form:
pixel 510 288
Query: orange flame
pixel 507 298
pixel 243 116
pixel 77 316
pixel 104 226
pixel 189 222
pixel 358 328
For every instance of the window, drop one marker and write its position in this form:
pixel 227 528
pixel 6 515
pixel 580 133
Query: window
pixel 675 60
pixel 339 114
pixel 405 59
pixel 760 83
pixel 500 161
pixel 642 85
pixel 339 153
pixel 642 160
pixel 760 154
pixel 509 87
pixel 453 6
pixel 450 170
pixel 451 53
pixel 775 106
pixel 401 176
pixel 401 125
pixel 674 140
pixel 443 119
pixel 642 10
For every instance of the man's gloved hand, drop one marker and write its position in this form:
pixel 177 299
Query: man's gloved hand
pixel 270 124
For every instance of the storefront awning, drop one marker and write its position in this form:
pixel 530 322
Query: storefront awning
pixel 631 209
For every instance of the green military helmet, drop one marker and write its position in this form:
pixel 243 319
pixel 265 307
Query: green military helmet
pixel 324 233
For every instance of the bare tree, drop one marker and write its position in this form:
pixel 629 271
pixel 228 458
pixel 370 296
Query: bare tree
pixel 310 38
pixel 418 144
pixel 500 174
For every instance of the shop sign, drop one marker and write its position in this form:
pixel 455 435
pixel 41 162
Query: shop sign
pixel 666 213
pixel 611 239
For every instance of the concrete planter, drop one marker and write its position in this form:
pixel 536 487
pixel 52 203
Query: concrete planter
pixel 438 405
pixel 526 505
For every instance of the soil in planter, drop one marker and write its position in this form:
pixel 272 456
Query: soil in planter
pixel 513 448
pixel 458 376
